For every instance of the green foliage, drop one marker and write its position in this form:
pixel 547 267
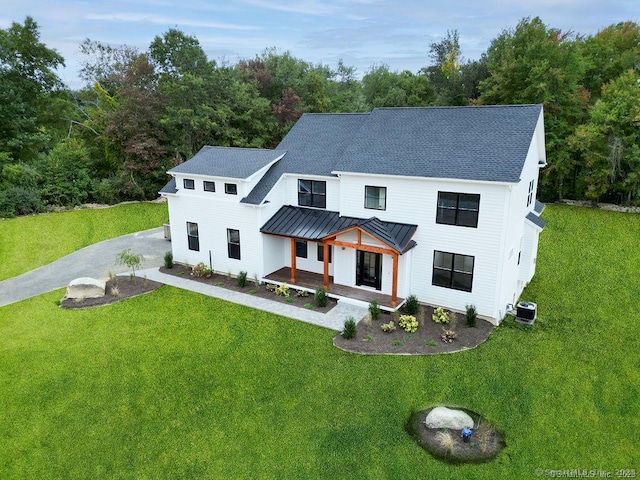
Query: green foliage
pixel 388 327
pixel 130 259
pixel 411 305
pixel 242 279
pixel 302 293
pixel 201 270
pixel 350 329
pixel 282 290
pixel 168 259
pixel 440 315
pixel 321 297
pixel 374 310
pixel 471 315
pixel 408 323
pixel 431 343
pixel 15 201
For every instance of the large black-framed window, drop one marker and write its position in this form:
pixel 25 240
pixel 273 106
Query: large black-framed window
pixel 312 193
pixel 230 188
pixel 458 209
pixel 193 239
pixel 375 197
pixel 301 248
pixel 321 253
pixel 209 186
pixel 233 243
pixel 453 270
pixel 188 183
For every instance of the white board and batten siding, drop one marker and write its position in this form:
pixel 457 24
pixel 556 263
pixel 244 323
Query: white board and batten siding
pixel 414 201
pixel 215 212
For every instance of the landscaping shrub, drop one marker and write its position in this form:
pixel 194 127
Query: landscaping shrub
pixel 408 323
pixel 440 316
pixel 374 309
pixel 321 297
pixel 411 305
pixel 282 290
pixel 350 330
pixel 472 316
pixel 242 279
pixel 388 327
pixel 201 270
pixel 168 260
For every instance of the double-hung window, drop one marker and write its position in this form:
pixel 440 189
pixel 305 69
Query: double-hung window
pixel 530 194
pixel 375 197
pixel 312 193
pixel 193 240
pixel 458 209
pixel 233 243
pixel 321 253
pixel 452 270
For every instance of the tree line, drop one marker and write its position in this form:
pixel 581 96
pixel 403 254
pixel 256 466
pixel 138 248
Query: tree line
pixel 142 112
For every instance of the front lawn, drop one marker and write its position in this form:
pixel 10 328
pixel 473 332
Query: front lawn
pixel 176 385
pixel 30 242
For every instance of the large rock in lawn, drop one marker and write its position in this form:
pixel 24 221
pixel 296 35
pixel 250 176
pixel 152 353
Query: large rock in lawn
pixel 443 417
pixel 86 287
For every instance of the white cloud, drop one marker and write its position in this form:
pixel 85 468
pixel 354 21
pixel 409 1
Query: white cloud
pixel 162 20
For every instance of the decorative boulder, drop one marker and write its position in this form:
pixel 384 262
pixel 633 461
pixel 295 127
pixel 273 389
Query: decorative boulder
pixel 443 417
pixel 86 287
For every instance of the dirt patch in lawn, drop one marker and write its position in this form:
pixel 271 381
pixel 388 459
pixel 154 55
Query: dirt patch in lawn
pixel 117 290
pixel 252 287
pixel 425 341
pixel 448 445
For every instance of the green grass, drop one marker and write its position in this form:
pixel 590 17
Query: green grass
pixel 30 242
pixel 177 385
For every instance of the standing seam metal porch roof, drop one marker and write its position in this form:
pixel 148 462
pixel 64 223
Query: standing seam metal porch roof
pixel 312 224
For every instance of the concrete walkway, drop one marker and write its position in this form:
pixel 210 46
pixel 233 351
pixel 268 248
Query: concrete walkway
pixel 333 319
pixel 97 261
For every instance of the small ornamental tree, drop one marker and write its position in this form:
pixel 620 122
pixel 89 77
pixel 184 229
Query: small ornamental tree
pixel 130 259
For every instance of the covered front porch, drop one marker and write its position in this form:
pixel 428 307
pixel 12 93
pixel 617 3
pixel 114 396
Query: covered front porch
pixel 310 281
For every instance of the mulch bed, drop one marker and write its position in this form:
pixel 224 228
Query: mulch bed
pixel 425 341
pixel 223 281
pixel 485 444
pixel 125 287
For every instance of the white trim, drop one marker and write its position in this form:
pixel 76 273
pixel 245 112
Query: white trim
pixel 435 179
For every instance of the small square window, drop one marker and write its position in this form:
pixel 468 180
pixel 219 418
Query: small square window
pixel 301 249
pixel 375 198
pixel 230 188
pixel 209 186
pixel 188 183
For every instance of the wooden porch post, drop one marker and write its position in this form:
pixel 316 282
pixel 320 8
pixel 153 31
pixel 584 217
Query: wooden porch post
pixel 394 284
pixel 293 260
pixel 325 247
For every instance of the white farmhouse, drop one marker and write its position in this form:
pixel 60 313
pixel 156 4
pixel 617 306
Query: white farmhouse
pixel 435 202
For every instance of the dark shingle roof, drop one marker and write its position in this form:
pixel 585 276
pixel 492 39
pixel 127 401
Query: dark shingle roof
pixel 536 220
pixel 538 207
pixel 488 143
pixel 227 162
pixel 313 145
pixel 170 187
pixel 313 224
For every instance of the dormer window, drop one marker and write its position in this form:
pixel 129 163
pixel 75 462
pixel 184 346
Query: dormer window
pixel 189 183
pixel 312 193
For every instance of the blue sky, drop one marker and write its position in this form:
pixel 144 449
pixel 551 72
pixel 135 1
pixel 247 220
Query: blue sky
pixel 361 32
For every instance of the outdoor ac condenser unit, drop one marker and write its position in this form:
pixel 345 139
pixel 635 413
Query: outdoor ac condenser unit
pixel 526 312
